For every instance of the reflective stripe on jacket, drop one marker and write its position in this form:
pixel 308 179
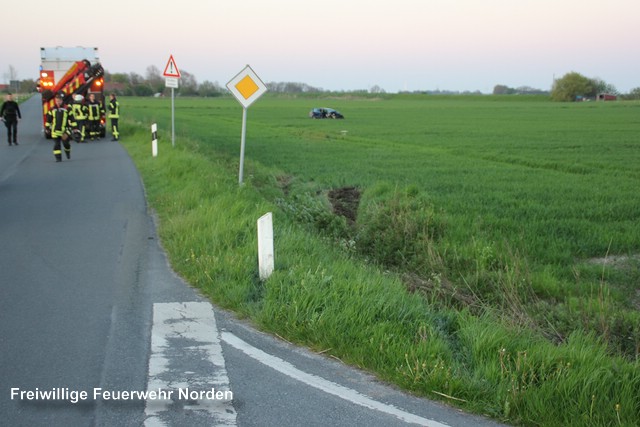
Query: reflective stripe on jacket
pixel 95 111
pixel 79 111
pixel 114 109
pixel 57 119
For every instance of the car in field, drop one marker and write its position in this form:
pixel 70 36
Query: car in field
pixel 325 113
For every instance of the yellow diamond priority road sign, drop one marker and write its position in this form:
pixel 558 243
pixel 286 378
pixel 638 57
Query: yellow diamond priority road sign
pixel 246 86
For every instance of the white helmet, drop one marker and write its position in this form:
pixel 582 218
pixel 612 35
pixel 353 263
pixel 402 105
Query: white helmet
pixel 78 97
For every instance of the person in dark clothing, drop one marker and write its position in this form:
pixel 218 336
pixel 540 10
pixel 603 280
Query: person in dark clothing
pixel 114 115
pixel 10 114
pixel 57 126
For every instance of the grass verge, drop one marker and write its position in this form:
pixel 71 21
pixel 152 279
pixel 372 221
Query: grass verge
pixel 338 303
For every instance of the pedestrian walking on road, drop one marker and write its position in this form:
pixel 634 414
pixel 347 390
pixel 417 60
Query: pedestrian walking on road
pixel 114 115
pixel 10 114
pixel 58 127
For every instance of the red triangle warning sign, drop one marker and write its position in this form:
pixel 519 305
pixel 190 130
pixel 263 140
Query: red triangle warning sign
pixel 171 70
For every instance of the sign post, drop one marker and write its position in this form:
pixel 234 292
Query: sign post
pixel 247 87
pixel 172 74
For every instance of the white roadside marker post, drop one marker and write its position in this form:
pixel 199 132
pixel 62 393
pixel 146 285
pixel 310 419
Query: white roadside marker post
pixel 265 246
pixel 154 140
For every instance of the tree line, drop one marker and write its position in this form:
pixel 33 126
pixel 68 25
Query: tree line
pixel 153 83
pixel 572 86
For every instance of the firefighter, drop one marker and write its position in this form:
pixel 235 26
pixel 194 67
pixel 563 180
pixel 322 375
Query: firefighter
pixel 114 115
pixel 78 117
pixel 95 113
pixel 57 127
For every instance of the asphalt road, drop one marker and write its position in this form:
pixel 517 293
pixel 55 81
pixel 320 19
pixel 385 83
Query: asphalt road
pixel 88 304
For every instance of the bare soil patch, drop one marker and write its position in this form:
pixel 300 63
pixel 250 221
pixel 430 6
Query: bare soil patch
pixel 344 202
pixel 284 181
pixel 624 263
pixel 616 261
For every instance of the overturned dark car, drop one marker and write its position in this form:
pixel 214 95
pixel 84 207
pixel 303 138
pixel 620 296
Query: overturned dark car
pixel 325 113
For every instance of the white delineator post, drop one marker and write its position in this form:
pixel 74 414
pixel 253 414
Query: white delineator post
pixel 154 140
pixel 265 246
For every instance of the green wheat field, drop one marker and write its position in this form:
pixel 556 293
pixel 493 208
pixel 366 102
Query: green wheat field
pixel 483 250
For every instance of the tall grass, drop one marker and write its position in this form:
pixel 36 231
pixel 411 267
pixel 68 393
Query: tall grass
pixel 507 317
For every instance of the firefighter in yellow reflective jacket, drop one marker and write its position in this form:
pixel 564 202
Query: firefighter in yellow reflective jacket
pixel 95 113
pixel 78 118
pixel 114 115
pixel 57 126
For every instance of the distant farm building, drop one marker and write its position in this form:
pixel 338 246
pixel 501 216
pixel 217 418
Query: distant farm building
pixel 606 97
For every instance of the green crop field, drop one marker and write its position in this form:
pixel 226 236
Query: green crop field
pixel 485 250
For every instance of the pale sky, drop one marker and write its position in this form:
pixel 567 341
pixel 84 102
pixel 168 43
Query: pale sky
pixel 342 44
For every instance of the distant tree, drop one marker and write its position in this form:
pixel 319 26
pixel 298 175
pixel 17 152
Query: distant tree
pixel 572 86
pixel 634 93
pixel 142 90
pixel 272 86
pixel 502 90
pixel 153 73
pixel 154 78
pixel 27 86
pixel 528 90
pixel 376 89
pixel 117 77
pixel 307 88
pixel 136 79
pixel 291 87
pixel 188 84
pixel 209 89
pixel 603 87
pixel 138 86
pixel 520 90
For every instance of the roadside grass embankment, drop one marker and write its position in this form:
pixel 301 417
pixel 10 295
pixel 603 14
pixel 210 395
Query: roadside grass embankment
pixel 341 288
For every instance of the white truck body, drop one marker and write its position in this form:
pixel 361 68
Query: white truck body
pixel 60 59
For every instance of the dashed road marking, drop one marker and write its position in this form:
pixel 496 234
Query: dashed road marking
pixel 185 362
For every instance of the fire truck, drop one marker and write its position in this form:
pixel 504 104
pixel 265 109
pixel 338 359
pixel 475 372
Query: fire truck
pixel 72 71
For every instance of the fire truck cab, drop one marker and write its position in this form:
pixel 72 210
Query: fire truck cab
pixel 72 71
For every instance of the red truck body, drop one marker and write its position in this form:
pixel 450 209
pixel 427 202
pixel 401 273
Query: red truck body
pixel 68 71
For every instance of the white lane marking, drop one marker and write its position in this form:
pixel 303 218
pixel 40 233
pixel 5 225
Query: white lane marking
pixel 186 355
pixel 320 383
